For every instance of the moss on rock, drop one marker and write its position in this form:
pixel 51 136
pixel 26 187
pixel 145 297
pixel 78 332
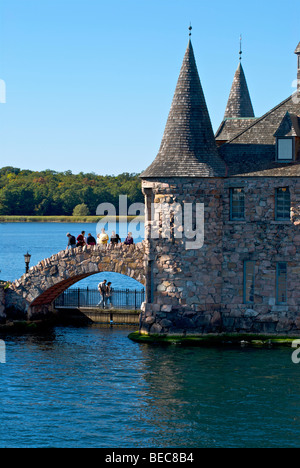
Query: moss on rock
pixel 214 339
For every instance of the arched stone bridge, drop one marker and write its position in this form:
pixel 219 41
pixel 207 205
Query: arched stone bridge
pixel 35 291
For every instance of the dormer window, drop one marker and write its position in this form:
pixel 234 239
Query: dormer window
pixel 287 139
pixel 285 149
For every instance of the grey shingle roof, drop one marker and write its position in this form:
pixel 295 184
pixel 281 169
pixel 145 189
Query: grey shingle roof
pixel 188 147
pixel 290 126
pixel 263 129
pixel 239 103
pixel 253 151
pixel 239 113
pixel 256 161
pixel 297 51
pixel 230 128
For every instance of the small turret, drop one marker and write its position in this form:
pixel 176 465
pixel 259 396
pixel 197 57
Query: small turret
pixel 239 104
pixel 239 113
pixel 188 147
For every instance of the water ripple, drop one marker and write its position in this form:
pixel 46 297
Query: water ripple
pixel 93 387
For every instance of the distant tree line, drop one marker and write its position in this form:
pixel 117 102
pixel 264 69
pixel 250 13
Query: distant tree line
pixel 50 193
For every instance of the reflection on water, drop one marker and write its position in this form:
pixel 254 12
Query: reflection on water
pixel 93 387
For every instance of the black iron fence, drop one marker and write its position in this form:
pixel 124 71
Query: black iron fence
pixel 120 298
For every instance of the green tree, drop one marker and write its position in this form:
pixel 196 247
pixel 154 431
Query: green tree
pixel 81 210
pixel 16 200
pixel 46 193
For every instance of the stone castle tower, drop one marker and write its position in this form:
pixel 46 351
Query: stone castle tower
pixel 184 279
pixel 223 215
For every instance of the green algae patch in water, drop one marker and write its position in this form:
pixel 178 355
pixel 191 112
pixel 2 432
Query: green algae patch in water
pixel 213 339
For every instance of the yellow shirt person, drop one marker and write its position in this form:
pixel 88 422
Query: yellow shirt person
pixel 102 238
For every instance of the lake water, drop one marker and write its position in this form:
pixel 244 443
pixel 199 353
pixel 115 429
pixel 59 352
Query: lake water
pixel 93 387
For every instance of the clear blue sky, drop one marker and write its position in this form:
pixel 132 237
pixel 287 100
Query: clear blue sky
pixel 90 83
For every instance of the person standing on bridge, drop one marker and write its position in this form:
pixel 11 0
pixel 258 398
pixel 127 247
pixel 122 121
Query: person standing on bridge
pixel 71 241
pixel 109 294
pixel 102 290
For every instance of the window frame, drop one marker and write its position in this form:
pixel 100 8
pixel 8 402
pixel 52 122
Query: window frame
pixel 280 302
pixel 292 139
pixel 278 218
pixel 231 217
pixel 246 262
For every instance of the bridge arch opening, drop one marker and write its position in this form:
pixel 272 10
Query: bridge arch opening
pixel 124 267
pixel 52 293
pixel 119 281
pixel 126 293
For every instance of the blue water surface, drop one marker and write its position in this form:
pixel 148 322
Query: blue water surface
pixel 94 387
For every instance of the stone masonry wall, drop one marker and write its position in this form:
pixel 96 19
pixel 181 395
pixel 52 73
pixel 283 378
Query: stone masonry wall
pixel 185 283
pixel 265 241
pixel 201 291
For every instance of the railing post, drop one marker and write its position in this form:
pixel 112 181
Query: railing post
pixel 78 298
pixel 135 299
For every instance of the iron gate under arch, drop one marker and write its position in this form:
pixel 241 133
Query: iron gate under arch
pixel 121 298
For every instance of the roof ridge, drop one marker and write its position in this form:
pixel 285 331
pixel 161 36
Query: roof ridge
pixel 259 119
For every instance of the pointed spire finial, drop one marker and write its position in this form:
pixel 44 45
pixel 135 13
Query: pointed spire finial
pixel 190 29
pixel 240 52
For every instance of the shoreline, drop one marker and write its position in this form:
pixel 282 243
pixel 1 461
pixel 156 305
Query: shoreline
pixel 67 219
pixel 16 327
pixel 214 339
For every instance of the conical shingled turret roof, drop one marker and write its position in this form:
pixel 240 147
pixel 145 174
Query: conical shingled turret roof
pixel 239 104
pixel 188 147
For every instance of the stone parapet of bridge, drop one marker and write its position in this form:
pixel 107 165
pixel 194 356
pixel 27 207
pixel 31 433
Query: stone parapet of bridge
pixel 34 293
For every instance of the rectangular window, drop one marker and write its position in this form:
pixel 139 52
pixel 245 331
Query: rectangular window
pixel 281 283
pixel 249 274
pixel 285 149
pixel 283 204
pixel 237 203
